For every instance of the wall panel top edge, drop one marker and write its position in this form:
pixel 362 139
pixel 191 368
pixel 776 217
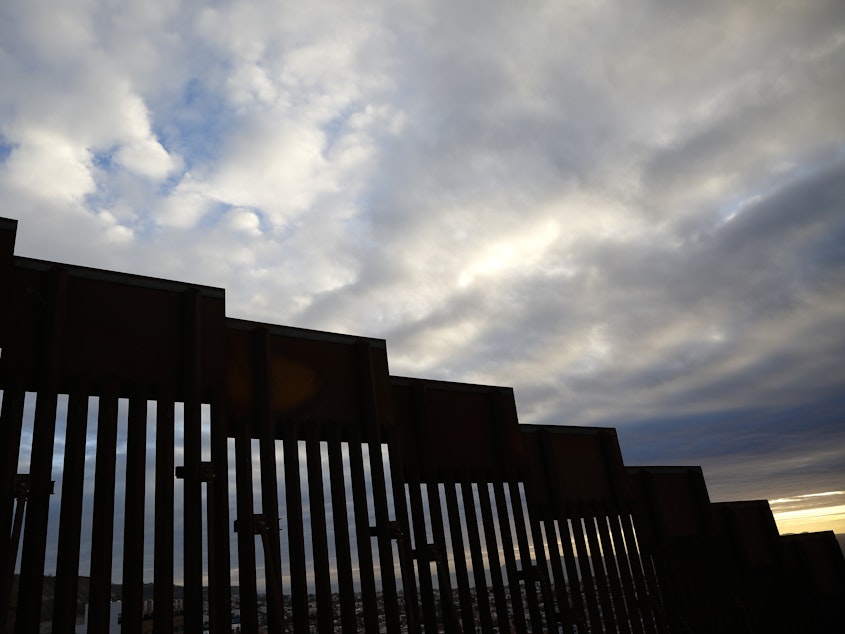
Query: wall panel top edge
pixel 116 277
pixel 301 376
pixel 449 427
pixel 296 332
pixel 68 325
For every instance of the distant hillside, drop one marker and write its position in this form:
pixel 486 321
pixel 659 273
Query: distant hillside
pixel 49 592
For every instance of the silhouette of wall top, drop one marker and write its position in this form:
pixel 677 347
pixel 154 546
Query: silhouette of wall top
pixel 528 528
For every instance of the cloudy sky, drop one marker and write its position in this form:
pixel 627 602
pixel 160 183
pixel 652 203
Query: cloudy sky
pixel 633 213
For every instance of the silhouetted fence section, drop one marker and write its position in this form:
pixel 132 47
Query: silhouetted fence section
pixel 279 479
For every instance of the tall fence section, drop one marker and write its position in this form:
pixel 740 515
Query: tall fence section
pixel 215 473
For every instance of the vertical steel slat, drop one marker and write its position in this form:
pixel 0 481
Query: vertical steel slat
pixel 444 584
pixel 491 542
pixel 564 613
pixel 362 532
pixel 661 581
pixel 33 551
pixel 409 587
pixel 340 519
pixel 192 507
pixel 219 557
pixel 641 589
pixel 11 422
pixel 133 524
pixel 716 593
pixel 698 590
pixel 559 509
pixel 70 516
pixel 529 571
pixel 35 532
pixel 657 558
pixel 537 580
pixel 540 574
pixel 413 477
pixel 102 532
pixel 590 591
pixel 599 572
pixel 429 608
pixel 577 589
pixel 482 596
pixel 319 539
pixel 246 529
pixel 535 536
pixel 192 510
pixel 14 539
pixel 296 539
pixel 667 571
pixel 706 606
pixel 509 552
pixel 459 553
pixel 164 513
pixel 613 579
pixel 214 608
pixel 623 557
pixel 269 481
pixel 655 583
pixel 370 413
pixel 679 587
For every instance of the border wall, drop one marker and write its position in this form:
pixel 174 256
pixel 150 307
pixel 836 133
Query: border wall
pixel 281 479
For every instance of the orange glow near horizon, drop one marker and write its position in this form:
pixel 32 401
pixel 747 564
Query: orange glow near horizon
pixel 811 512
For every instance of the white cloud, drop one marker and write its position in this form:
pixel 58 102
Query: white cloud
pixel 185 206
pixel 47 165
pixel 244 220
pixel 146 157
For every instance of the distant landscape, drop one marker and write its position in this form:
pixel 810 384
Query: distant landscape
pixel 49 592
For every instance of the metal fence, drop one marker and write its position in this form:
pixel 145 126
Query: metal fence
pixel 217 474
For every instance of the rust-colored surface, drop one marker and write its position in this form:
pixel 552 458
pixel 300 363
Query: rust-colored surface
pixel 311 376
pixel 583 463
pixel 452 426
pixel 673 498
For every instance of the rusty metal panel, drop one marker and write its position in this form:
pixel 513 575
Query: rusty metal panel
pixel 119 326
pixel 456 426
pixel 672 502
pixel 585 463
pixel 815 568
pixel 820 558
pixel 750 531
pixel 311 376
